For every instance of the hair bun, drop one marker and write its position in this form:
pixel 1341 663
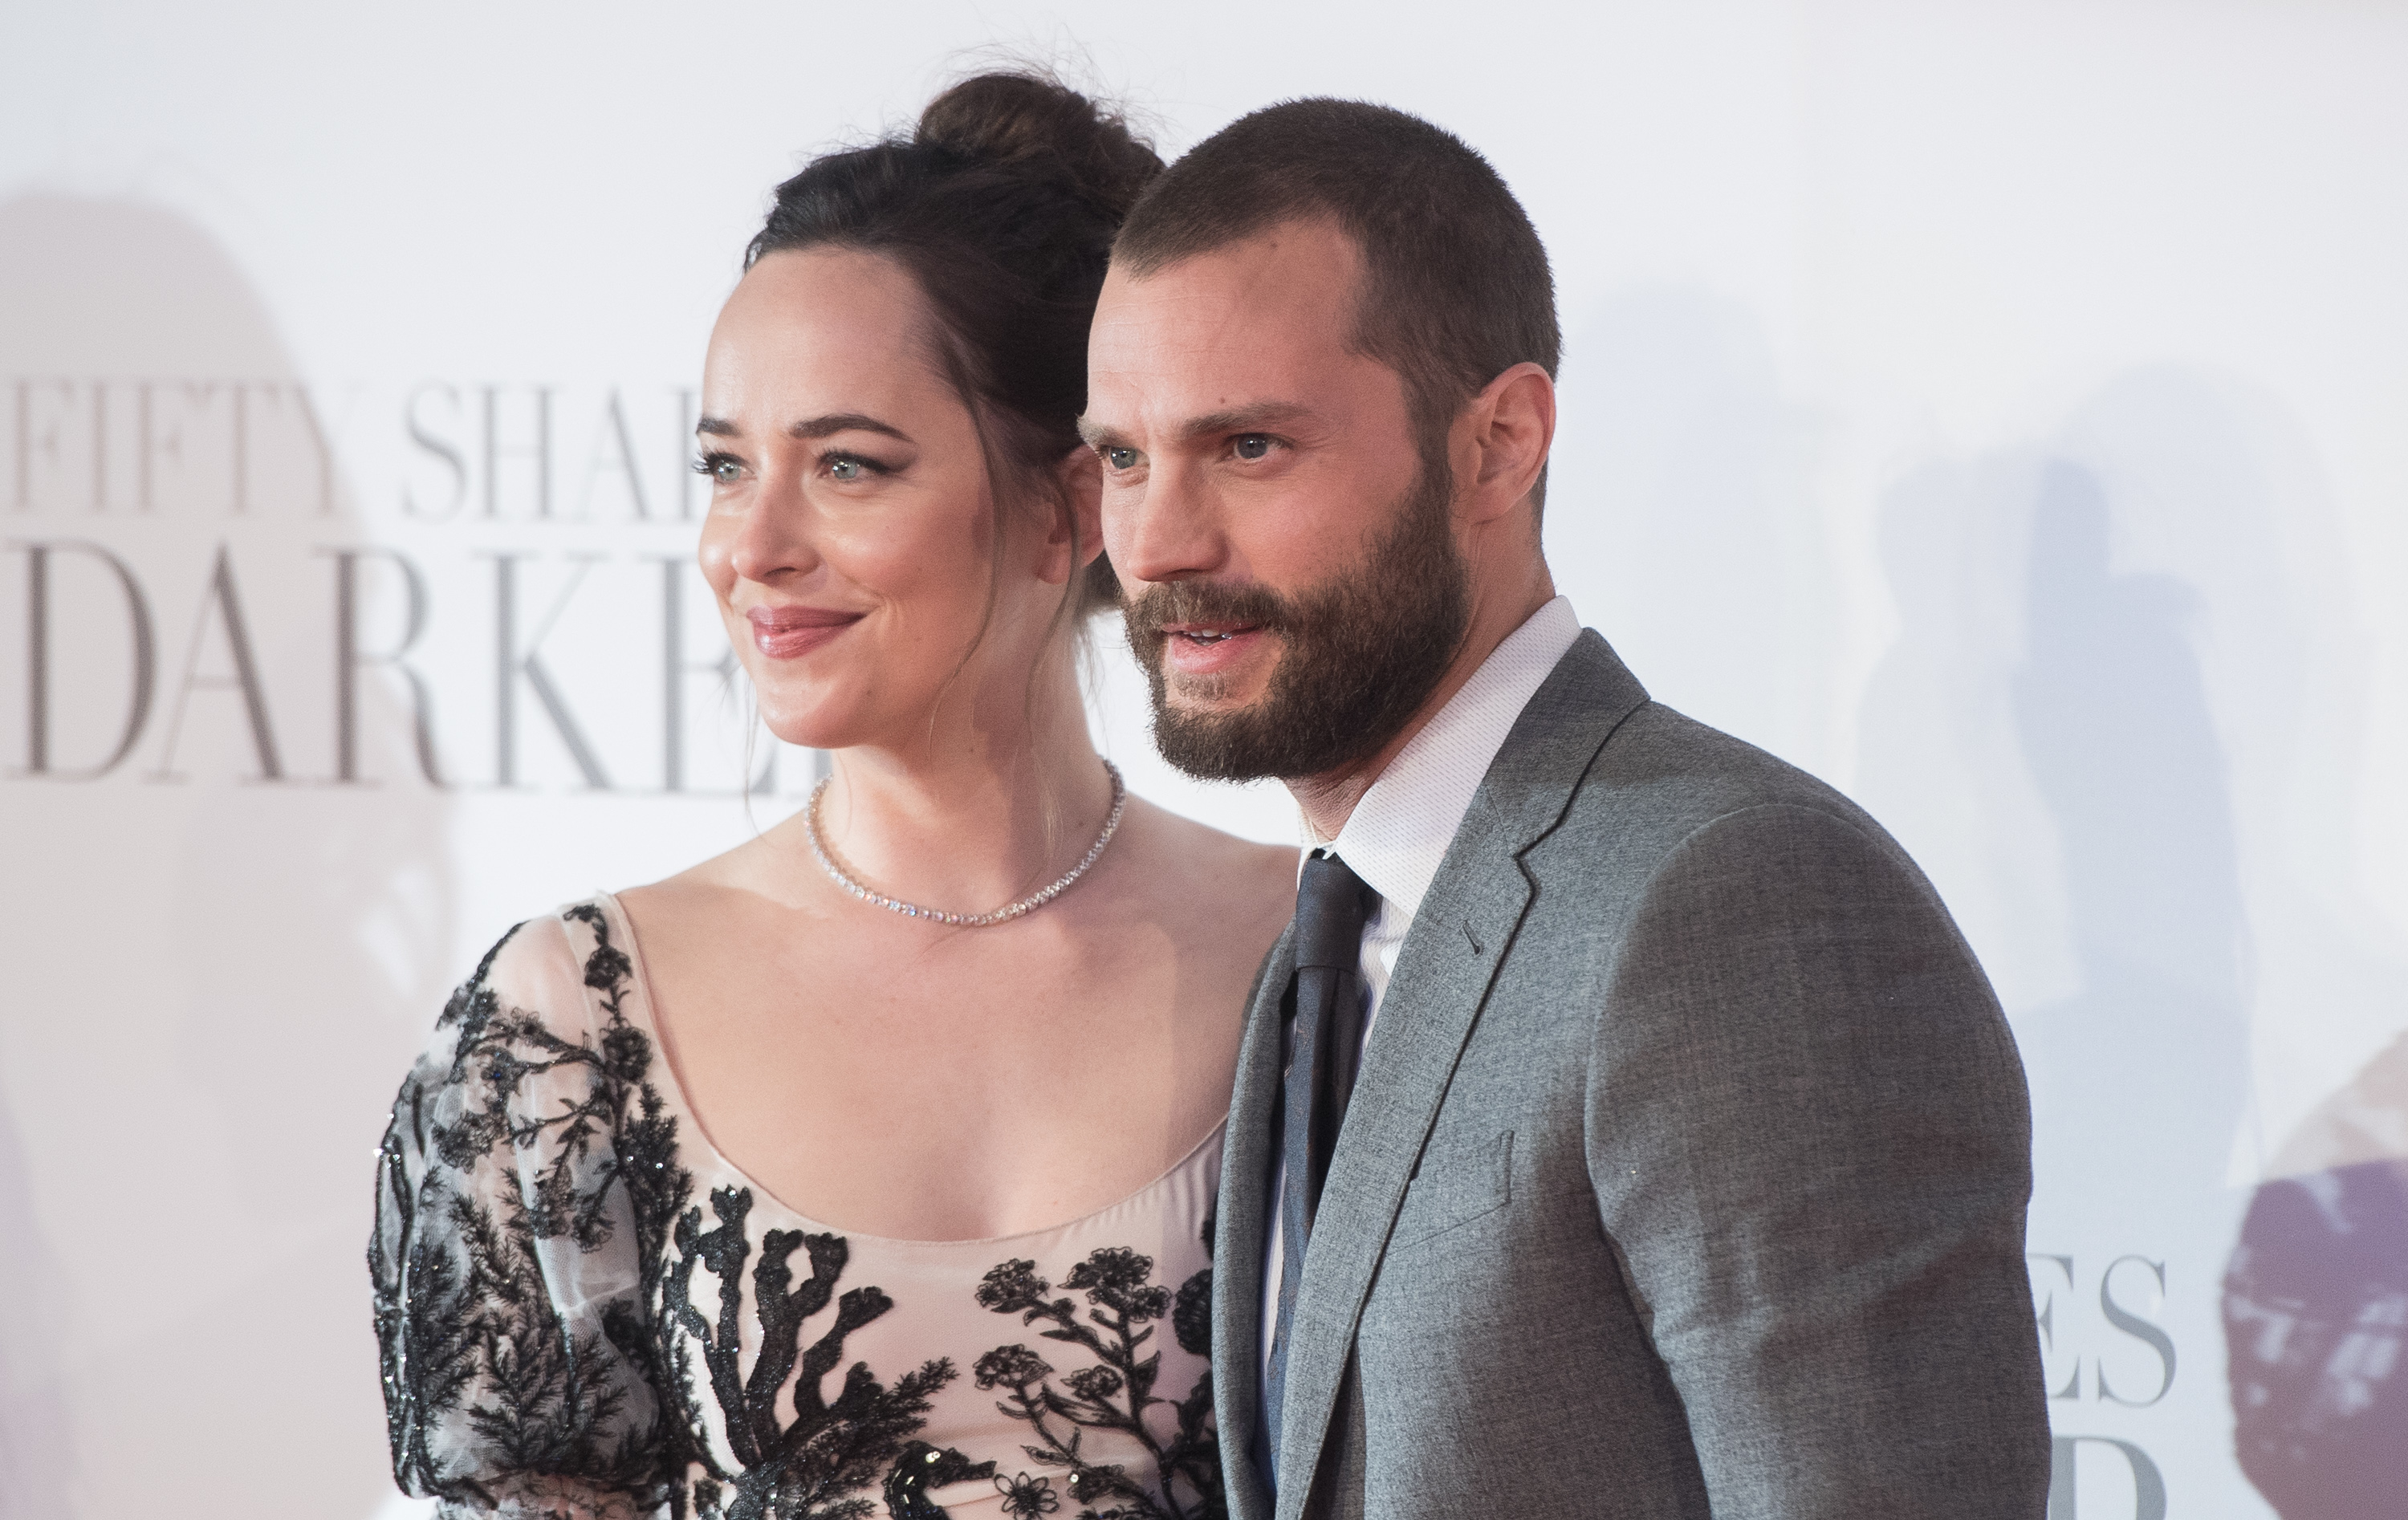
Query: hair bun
pixel 1019 118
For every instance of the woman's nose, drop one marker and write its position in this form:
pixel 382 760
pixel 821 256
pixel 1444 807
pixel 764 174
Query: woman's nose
pixel 772 541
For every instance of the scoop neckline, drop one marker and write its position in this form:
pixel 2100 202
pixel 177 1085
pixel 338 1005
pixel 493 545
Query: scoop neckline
pixel 673 1088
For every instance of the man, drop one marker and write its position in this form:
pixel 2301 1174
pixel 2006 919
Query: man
pixel 1684 1168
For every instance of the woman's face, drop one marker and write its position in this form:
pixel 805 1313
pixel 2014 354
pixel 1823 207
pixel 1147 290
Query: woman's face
pixel 850 541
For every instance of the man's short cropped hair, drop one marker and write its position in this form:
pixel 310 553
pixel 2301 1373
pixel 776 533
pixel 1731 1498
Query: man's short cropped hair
pixel 1456 289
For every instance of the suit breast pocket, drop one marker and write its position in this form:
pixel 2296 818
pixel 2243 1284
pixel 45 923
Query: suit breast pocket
pixel 1452 1187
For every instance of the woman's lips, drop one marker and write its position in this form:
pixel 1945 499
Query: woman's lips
pixel 1207 650
pixel 787 633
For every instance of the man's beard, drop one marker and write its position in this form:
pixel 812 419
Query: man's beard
pixel 1359 656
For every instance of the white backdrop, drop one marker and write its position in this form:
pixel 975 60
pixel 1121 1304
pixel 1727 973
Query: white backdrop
pixel 1997 409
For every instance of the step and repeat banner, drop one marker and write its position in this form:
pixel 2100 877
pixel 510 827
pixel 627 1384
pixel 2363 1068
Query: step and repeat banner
pixel 2003 413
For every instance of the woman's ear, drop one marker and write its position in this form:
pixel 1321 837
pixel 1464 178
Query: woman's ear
pixel 1078 532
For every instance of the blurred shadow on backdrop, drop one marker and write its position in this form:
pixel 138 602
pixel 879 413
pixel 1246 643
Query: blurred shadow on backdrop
pixel 2121 717
pixel 1676 521
pixel 2114 720
pixel 216 976
pixel 2041 736
pixel 1940 759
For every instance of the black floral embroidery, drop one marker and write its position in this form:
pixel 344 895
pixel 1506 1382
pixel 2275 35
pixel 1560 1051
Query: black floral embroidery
pixel 465 1323
pixel 1191 1315
pixel 575 1424
pixel 1026 1498
pixel 1114 1393
pixel 518 1144
pixel 804 1470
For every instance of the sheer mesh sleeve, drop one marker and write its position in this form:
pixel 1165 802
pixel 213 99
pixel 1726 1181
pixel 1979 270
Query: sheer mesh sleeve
pixel 521 1191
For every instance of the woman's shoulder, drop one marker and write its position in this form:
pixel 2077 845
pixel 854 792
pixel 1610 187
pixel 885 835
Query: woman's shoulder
pixel 562 975
pixel 1181 847
pixel 544 1027
pixel 1213 888
pixel 576 946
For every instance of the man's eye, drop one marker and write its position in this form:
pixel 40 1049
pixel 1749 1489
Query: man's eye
pixel 1252 446
pixel 1120 458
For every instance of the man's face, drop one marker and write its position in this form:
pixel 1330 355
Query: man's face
pixel 1283 536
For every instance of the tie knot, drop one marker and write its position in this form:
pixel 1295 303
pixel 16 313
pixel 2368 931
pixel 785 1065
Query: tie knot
pixel 1332 905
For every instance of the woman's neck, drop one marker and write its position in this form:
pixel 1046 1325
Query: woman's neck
pixel 967 815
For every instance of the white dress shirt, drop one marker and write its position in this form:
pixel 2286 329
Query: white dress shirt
pixel 1399 831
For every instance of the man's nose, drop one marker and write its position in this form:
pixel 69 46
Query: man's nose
pixel 1167 529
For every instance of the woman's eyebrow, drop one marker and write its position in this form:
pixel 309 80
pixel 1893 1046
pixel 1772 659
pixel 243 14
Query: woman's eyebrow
pixel 810 427
pixel 843 422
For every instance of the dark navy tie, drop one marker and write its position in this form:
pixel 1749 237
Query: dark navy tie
pixel 1332 905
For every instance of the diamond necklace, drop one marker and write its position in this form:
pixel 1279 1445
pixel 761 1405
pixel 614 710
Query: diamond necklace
pixel 968 921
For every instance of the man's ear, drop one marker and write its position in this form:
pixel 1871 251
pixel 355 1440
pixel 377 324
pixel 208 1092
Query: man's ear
pixel 1077 535
pixel 1511 427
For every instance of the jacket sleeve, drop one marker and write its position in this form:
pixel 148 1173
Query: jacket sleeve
pixel 508 1278
pixel 1811 1143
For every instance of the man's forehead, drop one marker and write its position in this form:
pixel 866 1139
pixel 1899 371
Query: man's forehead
pixel 1198 392
pixel 1224 328
pixel 1285 271
pixel 1315 237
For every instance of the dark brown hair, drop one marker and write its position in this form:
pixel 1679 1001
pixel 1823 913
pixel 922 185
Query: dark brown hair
pixel 1001 205
pixel 1456 289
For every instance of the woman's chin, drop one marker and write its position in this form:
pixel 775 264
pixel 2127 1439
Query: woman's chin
pixel 809 730
pixel 815 718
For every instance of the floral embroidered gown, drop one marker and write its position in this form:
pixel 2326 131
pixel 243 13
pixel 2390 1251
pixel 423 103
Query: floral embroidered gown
pixel 586 1313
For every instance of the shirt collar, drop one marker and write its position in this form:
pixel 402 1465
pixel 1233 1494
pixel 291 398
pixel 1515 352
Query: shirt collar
pixel 1399 831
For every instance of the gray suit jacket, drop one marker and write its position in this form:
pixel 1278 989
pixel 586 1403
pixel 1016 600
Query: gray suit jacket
pixel 1685 1175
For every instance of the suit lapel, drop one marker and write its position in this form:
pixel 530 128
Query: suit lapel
pixel 1460 937
pixel 1240 1224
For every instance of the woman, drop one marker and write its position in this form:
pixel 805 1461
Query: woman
pixel 868 1169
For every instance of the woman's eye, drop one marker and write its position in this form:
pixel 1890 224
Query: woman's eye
pixel 853 467
pixel 1252 446
pixel 1120 458
pixel 722 469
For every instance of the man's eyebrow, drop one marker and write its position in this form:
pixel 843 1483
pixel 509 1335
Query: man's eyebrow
pixel 810 427
pixel 1097 436
pixel 1247 419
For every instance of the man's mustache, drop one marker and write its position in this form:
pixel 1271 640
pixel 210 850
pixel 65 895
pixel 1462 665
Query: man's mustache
pixel 1206 601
